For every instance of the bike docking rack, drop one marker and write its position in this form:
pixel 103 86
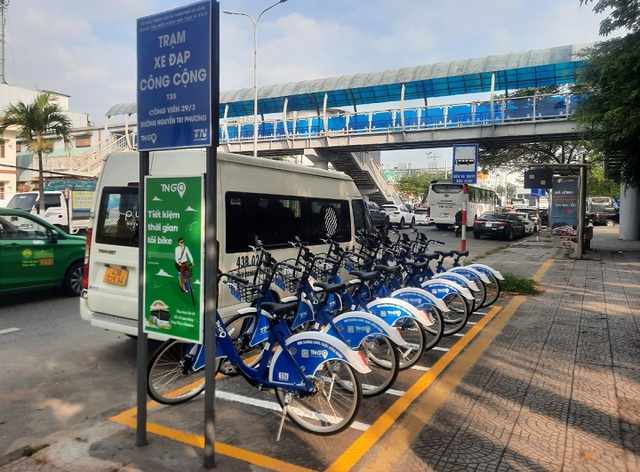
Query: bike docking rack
pixel 372 422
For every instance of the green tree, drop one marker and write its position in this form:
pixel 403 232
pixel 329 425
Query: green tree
pixel 37 122
pixel 610 117
pixel 517 157
pixel 417 185
pixel 597 184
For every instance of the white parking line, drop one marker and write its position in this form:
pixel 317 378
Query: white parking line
pixel 438 348
pixel 268 405
pixel 9 330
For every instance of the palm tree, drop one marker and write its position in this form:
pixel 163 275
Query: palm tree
pixel 36 122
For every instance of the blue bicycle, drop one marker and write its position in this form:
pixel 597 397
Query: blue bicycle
pixel 313 374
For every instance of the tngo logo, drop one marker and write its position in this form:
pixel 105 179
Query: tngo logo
pixel 179 187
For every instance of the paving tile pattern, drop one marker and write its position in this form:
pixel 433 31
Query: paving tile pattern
pixel 559 388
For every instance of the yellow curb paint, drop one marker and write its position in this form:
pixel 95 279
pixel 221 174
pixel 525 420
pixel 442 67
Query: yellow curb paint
pixel 405 431
pixel 127 418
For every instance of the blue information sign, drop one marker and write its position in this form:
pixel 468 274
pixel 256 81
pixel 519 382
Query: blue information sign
pixel 174 78
pixel 538 192
pixel 465 164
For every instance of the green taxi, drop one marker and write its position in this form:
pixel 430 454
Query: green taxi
pixel 36 255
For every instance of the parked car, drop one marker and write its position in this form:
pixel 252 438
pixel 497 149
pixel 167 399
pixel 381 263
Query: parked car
pixel 37 255
pixel 499 225
pixel 544 214
pixel 421 216
pixel 380 218
pixel 530 221
pixel 399 215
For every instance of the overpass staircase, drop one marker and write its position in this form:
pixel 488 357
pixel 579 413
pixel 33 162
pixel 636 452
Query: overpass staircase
pixel 367 175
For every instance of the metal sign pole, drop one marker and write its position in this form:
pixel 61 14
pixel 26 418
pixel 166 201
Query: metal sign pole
pixel 211 247
pixel 142 343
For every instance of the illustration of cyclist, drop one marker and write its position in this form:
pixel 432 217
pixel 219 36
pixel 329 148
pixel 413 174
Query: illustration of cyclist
pixel 184 263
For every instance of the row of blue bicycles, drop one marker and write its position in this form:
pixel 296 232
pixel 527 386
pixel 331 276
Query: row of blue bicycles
pixel 322 331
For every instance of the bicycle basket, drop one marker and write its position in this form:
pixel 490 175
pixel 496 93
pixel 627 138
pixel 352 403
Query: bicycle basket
pixel 288 276
pixel 354 261
pixel 323 268
pixel 258 275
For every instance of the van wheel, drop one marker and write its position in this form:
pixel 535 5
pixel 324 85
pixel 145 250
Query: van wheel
pixel 72 283
pixel 401 226
pixel 610 222
pixel 413 223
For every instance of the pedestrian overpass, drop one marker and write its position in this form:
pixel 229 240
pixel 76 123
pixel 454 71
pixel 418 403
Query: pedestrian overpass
pixel 341 120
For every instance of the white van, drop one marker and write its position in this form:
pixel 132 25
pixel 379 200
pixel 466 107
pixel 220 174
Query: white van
pixel 258 199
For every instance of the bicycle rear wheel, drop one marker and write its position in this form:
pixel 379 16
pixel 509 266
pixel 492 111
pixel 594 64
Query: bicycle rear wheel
pixel 333 407
pixel 384 361
pixel 456 318
pixel 171 378
pixel 415 337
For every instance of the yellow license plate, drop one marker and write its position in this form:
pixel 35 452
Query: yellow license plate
pixel 115 276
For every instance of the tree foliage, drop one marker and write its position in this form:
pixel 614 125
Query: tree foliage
pixel 36 123
pixel 518 157
pixel 624 14
pixel 417 185
pixel 610 117
pixel 597 184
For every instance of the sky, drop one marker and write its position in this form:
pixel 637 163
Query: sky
pixel 87 48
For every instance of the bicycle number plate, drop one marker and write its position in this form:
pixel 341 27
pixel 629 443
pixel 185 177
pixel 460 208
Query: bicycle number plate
pixel 235 292
pixel 115 276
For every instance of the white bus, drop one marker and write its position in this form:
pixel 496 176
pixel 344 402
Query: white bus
pixel 445 199
pixel 258 199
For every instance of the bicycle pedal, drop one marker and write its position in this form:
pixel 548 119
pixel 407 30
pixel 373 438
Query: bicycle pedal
pixel 229 370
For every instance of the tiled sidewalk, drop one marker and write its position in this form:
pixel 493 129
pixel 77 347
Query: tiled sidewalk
pixel 559 387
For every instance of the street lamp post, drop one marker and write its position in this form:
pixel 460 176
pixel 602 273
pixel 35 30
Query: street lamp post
pixel 255 68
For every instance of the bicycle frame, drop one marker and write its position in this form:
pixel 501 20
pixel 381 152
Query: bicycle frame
pixel 296 359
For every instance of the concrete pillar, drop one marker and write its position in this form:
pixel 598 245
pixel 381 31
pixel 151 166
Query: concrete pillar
pixel 629 214
pixel 319 157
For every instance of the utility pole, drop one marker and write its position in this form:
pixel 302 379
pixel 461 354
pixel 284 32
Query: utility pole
pixel 4 4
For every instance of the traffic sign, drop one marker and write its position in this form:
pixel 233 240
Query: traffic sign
pixel 465 164
pixel 174 78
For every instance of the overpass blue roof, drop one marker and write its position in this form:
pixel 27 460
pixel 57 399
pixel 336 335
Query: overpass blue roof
pixel 536 68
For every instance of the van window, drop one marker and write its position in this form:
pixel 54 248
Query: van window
pixel 276 220
pixel 117 221
pixel 361 218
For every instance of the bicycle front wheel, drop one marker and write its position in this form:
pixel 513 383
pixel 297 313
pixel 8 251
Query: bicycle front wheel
pixel 456 318
pixel 415 337
pixel 333 407
pixel 384 361
pixel 436 330
pixel 492 289
pixel 171 378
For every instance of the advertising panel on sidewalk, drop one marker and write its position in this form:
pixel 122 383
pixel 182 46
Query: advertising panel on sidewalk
pixel 565 201
pixel 173 257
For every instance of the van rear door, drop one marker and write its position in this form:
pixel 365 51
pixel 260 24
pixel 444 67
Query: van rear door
pixel 113 274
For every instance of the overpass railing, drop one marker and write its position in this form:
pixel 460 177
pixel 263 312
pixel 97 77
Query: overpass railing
pixel 501 111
